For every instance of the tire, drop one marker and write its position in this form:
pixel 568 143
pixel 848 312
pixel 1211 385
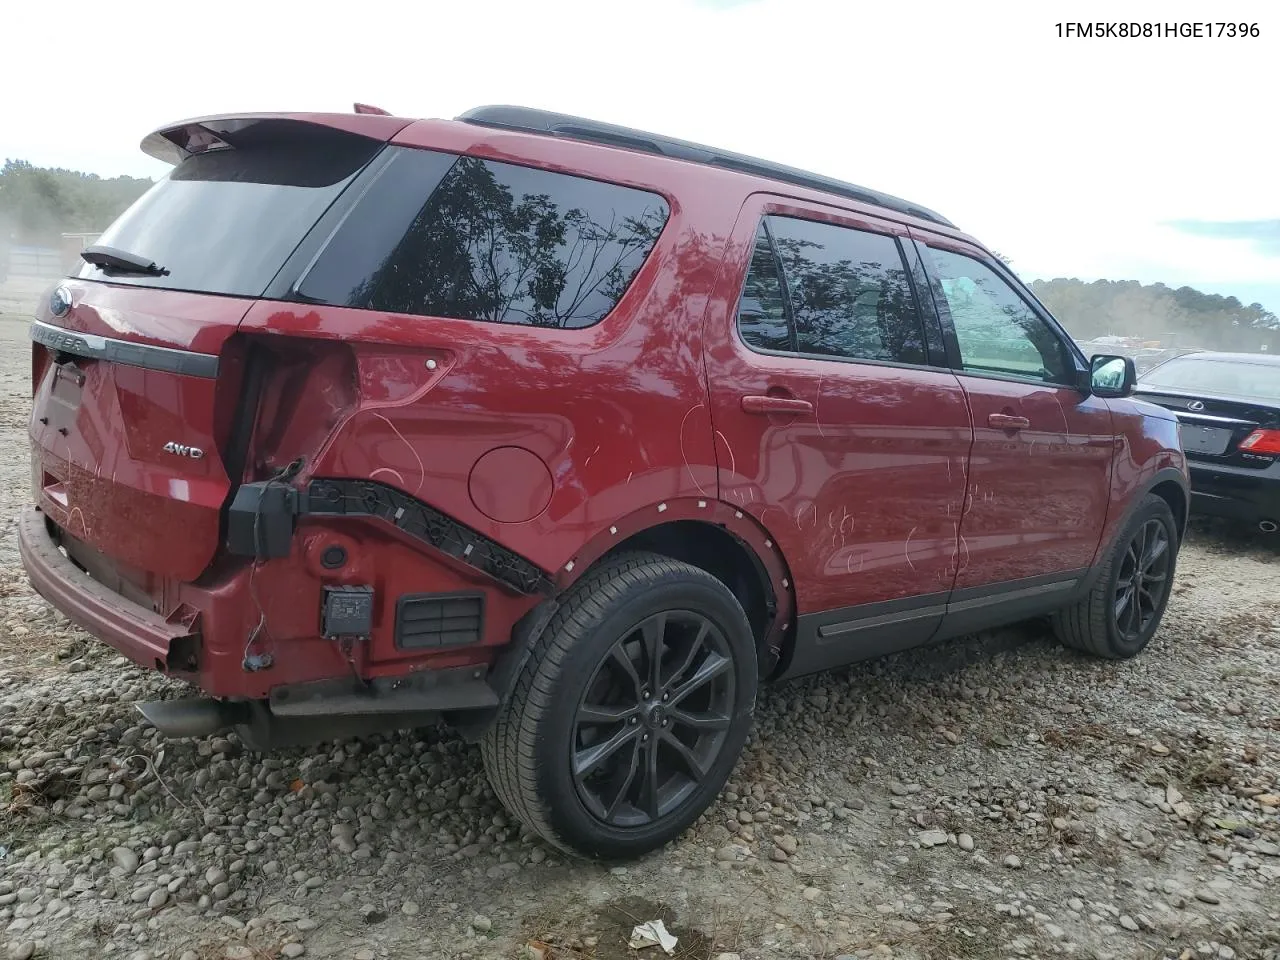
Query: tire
pixel 1100 623
pixel 547 753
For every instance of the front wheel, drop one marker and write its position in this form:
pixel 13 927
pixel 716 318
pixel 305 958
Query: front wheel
pixel 1120 615
pixel 631 710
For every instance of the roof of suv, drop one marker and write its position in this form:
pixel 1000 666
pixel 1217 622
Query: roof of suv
pixel 528 120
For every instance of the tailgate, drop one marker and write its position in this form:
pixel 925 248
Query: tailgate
pixel 124 431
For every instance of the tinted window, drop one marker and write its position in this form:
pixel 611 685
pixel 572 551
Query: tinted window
pixel 848 292
pixel 762 312
pixel 1258 381
pixel 461 237
pixel 997 331
pixel 225 222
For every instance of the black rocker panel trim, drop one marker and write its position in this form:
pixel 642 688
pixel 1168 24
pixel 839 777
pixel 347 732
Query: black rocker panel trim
pixel 850 634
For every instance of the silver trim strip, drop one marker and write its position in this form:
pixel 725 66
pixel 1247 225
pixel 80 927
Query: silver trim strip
pixel 1193 418
pixel 145 355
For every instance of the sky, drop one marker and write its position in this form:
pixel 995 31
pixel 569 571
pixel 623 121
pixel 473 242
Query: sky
pixel 1150 159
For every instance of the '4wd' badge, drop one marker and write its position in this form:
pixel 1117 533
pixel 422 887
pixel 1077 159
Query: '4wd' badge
pixel 182 450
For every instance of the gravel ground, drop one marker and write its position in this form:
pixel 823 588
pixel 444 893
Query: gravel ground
pixel 991 797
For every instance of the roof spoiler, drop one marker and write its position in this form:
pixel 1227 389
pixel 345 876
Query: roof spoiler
pixel 176 142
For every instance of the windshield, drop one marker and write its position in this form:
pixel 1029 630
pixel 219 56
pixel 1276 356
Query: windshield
pixel 1257 381
pixel 225 222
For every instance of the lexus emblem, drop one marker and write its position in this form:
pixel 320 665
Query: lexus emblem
pixel 1195 405
pixel 60 302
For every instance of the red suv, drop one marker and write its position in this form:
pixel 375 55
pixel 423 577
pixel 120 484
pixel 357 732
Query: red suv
pixel 567 434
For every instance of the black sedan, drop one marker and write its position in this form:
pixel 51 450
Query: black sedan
pixel 1228 406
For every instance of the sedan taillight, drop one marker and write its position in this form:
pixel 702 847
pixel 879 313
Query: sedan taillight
pixel 1262 441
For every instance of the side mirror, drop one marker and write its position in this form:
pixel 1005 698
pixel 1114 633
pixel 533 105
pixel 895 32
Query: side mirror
pixel 1112 376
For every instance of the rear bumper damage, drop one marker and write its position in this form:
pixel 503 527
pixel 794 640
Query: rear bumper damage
pixel 302 699
pixel 140 634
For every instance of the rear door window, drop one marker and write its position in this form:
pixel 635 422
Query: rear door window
pixel 842 293
pixel 226 221
pixel 447 236
pixel 996 330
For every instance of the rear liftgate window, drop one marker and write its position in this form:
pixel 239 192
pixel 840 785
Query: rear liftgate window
pixel 225 222
pixel 492 241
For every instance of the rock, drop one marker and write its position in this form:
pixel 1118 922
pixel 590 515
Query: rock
pixel 305 924
pixel 292 950
pixel 731 853
pixel 158 898
pixel 811 893
pixel 214 876
pixel 728 956
pixel 1129 923
pixel 1013 862
pixel 22 950
pixel 932 838
pixel 409 908
pixel 481 924
pixel 1205 895
pixel 125 859
pixel 778 855
pixel 788 843
pixel 364 953
pixel 239 951
pixel 965 841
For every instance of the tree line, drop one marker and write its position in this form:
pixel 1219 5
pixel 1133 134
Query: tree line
pixel 39 204
pixel 1183 315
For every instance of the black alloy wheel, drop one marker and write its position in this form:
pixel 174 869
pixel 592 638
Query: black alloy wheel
pixel 653 718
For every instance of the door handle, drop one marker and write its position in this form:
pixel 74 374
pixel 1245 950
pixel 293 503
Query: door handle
pixel 1006 421
pixel 768 405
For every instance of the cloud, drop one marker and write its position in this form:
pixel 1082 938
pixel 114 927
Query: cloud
pixel 722 4
pixel 1263 234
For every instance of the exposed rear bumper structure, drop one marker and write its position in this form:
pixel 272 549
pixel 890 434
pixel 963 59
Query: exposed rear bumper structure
pixel 295 713
pixel 140 634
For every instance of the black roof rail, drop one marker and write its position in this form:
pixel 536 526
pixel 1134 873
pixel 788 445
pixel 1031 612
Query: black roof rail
pixel 530 120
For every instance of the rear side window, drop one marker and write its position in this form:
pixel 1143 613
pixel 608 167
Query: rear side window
pixel 225 222
pixel 762 311
pixel 447 236
pixel 845 292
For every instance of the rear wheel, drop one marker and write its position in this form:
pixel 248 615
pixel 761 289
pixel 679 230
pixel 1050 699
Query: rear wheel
pixel 631 710
pixel 1120 615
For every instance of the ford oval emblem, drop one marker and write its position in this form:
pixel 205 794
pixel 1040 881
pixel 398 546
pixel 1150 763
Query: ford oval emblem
pixel 60 302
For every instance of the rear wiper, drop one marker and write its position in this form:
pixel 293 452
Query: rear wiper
pixel 116 260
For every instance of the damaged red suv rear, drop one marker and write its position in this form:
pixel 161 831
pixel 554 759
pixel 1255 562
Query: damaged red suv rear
pixel 567 434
